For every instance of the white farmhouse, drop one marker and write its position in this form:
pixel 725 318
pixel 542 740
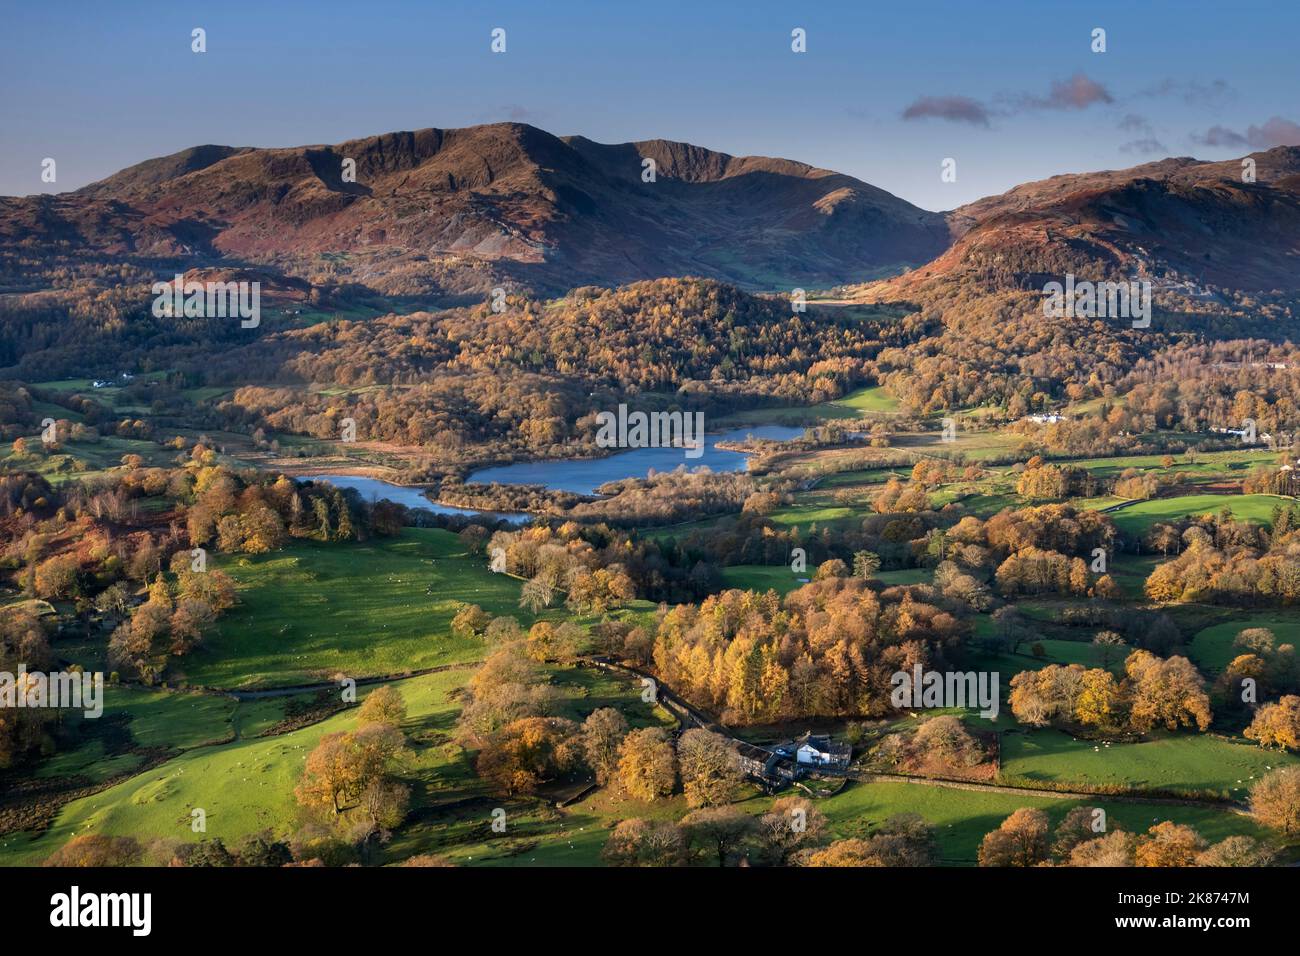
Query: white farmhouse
pixel 817 751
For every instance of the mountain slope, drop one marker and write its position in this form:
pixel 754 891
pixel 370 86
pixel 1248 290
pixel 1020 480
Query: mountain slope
pixel 1182 223
pixel 455 210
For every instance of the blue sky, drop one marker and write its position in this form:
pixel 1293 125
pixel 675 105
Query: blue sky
pixel 1011 90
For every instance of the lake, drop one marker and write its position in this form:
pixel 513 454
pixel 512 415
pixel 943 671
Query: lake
pixel 374 489
pixel 584 476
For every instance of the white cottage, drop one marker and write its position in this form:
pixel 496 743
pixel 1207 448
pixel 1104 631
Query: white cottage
pixel 817 751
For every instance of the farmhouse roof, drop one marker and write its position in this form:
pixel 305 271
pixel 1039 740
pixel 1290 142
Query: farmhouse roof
pixel 822 743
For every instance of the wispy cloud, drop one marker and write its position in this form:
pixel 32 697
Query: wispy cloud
pixel 1145 145
pixel 1276 131
pixel 954 109
pixel 519 114
pixel 1194 92
pixel 1076 93
pixel 1219 136
pixel 1146 141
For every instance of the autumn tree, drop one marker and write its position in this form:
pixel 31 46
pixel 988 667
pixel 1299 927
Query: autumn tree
pixel 903 840
pixel 792 824
pixel 1078 826
pixel 947 738
pixel 537 593
pixel 1020 840
pixel 343 765
pixel 548 642
pixel 383 706
pixel 1168 693
pixel 640 842
pixel 1275 800
pixel 1169 844
pixel 647 764
pixel 470 621
pixel 384 804
pixel 852 852
pixel 1048 695
pixel 1115 849
pixel 709 770
pixel 507 687
pixel 602 735
pixel 96 850
pixel 56 577
pixel 332 773
pixel 1099 702
pixel 719 832
pixel 1277 724
pixel 834 568
pixel 595 592
pixel 1237 851
pixel 523 755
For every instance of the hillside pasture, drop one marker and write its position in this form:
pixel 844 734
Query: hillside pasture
pixel 381 607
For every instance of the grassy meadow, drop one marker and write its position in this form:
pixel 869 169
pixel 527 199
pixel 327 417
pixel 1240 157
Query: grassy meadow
pixel 313 610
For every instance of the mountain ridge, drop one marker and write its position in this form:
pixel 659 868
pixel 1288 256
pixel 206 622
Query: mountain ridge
pixel 458 211
pixel 547 212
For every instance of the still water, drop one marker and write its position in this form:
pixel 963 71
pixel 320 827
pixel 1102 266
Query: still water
pixel 584 476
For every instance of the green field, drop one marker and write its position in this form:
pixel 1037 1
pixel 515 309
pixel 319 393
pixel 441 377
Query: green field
pixel 1056 651
pixel 865 401
pixel 243 787
pixel 79 459
pixel 176 720
pixel 862 403
pixel 1186 763
pixel 247 785
pixel 820 514
pixel 869 476
pixel 1131 571
pixel 1211 649
pixel 383 607
pixel 961 818
pixel 154 719
pixel 974 446
pixel 1205 464
pixel 1136 519
pixel 1059 651
pixel 757 577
